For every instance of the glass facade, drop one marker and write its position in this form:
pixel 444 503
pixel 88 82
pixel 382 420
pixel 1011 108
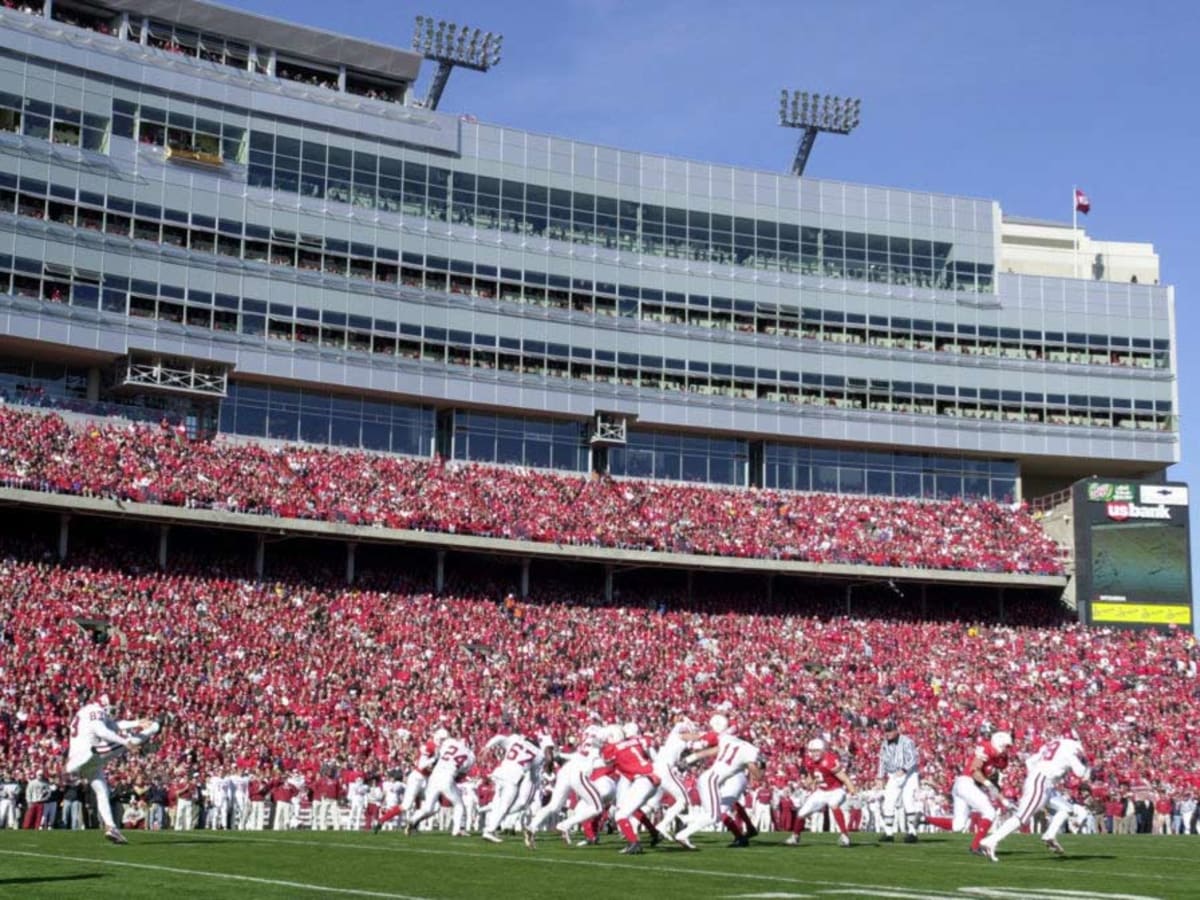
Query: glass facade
pixel 848 471
pixel 318 417
pixel 393 184
pixel 676 457
pixel 521 441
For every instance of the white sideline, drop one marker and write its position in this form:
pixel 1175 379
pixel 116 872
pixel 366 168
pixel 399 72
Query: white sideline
pixel 273 882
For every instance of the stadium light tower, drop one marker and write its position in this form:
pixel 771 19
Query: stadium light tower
pixel 814 113
pixel 449 45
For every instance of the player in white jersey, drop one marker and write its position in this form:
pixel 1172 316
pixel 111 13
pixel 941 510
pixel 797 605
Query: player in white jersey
pixel 519 769
pixel 724 782
pixel 666 767
pixel 1046 768
pixel 594 784
pixel 96 739
pixel 571 768
pixel 454 760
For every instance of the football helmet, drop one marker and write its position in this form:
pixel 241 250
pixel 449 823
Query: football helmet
pixel 440 735
pixel 816 747
pixel 1001 741
pixel 631 729
pixel 719 723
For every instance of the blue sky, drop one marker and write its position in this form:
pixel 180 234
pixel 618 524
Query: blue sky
pixel 1015 102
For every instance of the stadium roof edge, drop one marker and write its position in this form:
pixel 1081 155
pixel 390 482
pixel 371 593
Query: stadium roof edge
pixel 303 40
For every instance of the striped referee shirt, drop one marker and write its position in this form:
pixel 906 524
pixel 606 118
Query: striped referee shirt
pixel 899 755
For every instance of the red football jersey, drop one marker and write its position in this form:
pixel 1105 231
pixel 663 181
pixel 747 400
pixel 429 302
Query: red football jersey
pixel 629 757
pixel 993 760
pixel 823 768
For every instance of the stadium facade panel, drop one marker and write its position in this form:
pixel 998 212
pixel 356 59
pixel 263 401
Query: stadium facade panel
pixel 253 226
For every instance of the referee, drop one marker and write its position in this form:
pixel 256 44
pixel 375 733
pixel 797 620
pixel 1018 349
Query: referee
pixel 898 772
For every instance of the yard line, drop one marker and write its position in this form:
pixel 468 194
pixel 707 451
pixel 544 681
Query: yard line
pixel 634 867
pixel 227 876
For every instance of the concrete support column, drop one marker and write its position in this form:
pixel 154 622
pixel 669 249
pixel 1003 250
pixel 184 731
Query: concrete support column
pixel 439 575
pixel 93 384
pixel 689 586
pixel 64 534
pixel 260 557
pixel 525 578
pixel 608 583
pixel 163 531
pixel 351 550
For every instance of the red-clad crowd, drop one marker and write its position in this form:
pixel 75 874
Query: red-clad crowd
pixel 159 465
pixel 294 674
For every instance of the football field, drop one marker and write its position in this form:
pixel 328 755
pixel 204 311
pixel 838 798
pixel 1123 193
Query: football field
pixel 389 865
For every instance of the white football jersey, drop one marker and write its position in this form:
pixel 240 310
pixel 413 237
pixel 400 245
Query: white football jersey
pixel 520 756
pixel 673 747
pixel 454 758
pixel 94 732
pixel 1057 757
pixel 733 755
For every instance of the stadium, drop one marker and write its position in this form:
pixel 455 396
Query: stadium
pixel 331 419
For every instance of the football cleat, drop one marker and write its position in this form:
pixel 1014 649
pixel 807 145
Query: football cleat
pixel 655 838
pixel 530 839
pixel 886 839
pixel 989 851
pixel 910 838
pixel 684 842
pixel 632 849
pixel 588 842
pixel 844 840
pixel 488 836
pixel 408 829
pixel 751 831
pixel 1053 846
pixel 563 833
pixel 115 836
pixel 740 841
pixel 793 840
pixel 376 828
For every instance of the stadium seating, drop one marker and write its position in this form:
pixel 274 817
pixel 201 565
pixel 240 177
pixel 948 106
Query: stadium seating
pixel 156 464
pixel 301 672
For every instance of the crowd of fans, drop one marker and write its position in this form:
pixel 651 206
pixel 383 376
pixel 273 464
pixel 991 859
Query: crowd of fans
pixel 151 464
pixel 301 673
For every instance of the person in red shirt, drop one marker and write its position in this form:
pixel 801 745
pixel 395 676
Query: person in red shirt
pixel 833 785
pixel 976 790
pixel 628 756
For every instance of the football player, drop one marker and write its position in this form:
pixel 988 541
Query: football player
pixel 96 739
pixel 977 790
pixel 833 785
pixel 1046 768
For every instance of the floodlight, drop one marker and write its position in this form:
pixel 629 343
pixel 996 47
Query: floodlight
pixel 815 113
pixel 450 45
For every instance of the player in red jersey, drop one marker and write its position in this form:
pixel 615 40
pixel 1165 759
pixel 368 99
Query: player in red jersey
pixel 833 785
pixel 630 760
pixel 977 789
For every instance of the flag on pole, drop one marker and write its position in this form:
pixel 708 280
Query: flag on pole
pixel 1082 203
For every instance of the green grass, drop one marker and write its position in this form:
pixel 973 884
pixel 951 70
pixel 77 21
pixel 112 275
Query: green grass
pixel 302 864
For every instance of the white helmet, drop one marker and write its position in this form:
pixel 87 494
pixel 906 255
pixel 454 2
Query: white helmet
pixel 614 733
pixel 816 745
pixel 1001 741
pixel 440 735
pixel 719 723
pixel 631 729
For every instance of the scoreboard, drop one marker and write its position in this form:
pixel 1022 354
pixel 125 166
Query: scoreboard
pixel 1132 553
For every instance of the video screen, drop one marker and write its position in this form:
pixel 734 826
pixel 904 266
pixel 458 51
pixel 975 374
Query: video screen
pixel 1142 562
